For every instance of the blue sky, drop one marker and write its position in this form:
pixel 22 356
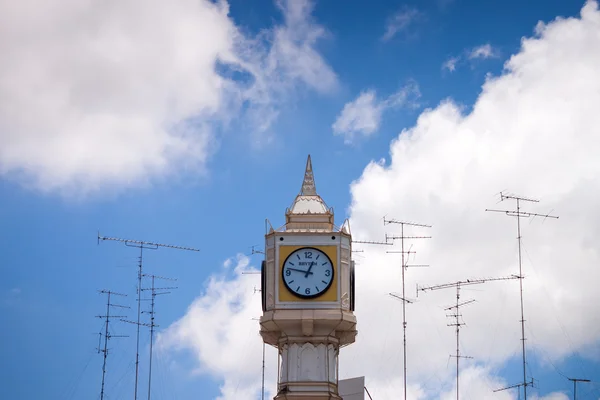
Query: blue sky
pixel 190 124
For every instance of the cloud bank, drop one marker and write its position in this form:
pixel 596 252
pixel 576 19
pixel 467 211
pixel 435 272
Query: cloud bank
pixel 113 94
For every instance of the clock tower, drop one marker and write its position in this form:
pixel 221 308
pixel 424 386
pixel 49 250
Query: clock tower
pixel 307 281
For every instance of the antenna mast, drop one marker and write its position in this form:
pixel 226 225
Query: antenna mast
pixel 254 251
pixel 141 245
pixel 521 214
pixel 404 266
pixel 457 314
pixel 107 335
pixel 153 293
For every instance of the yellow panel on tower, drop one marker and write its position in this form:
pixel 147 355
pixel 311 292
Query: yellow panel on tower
pixel 308 273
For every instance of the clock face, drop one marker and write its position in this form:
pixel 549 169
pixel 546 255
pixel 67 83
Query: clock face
pixel 307 272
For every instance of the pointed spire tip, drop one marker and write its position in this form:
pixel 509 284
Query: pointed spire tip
pixel 308 185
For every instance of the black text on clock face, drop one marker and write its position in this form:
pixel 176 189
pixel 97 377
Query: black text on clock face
pixel 308 272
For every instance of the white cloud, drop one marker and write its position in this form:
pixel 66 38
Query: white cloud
pixel 534 130
pixel 94 96
pixel 484 51
pixel 219 328
pixel 450 64
pixel 400 22
pixel 362 116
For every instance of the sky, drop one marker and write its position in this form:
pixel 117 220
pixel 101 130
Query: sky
pixel 189 123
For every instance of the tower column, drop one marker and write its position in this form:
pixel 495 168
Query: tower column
pixel 308 369
pixel 308 296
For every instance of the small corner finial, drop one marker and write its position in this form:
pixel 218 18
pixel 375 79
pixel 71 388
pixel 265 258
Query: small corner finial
pixel 308 185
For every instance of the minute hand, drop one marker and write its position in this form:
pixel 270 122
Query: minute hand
pixel 301 270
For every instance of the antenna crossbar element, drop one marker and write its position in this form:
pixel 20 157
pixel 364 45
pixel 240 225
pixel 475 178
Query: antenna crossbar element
pixel 372 242
pixel 254 251
pixel 401 298
pixel 141 244
pixel 521 214
pixel 393 237
pixel 402 237
pixel 464 303
pixel 138 243
pixel 406 223
pixel 465 282
pixel 515 197
pixel 107 335
pixel 514 386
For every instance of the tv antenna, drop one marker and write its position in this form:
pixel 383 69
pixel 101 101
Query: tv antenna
pixel 107 335
pixel 575 380
pixel 404 266
pixel 456 310
pixel 142 245
pixel 254 251
pixel 262 391
pixel 521 214
pixel 154 291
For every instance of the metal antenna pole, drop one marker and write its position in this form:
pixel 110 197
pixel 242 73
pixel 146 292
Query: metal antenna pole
pixel 575 380
pixel 254 251
pixel 141 245
pixel 107 335
pixel 458 324
pixel 152 325
pixel 457 314
pixel 404 266
pixel 263 374
pixel 521 214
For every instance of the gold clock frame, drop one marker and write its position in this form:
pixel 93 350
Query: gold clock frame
pixel 330 295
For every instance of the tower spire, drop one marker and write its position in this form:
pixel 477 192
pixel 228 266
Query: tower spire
pixel 308 185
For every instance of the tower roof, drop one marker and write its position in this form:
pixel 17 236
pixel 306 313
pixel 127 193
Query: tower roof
pixel 309 211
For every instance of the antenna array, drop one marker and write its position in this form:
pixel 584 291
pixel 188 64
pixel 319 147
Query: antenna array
pixel 456 309
pixel 154 291
pixel 521 214
pixel 107 335
pixel 142 245
pixel 404 266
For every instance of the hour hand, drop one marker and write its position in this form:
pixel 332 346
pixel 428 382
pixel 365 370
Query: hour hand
pixel 300 270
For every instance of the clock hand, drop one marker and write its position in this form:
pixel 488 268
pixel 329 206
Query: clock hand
pixel 301 270
pixel 308 270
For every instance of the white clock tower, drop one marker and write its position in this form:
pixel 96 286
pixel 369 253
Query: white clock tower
pixel 308 296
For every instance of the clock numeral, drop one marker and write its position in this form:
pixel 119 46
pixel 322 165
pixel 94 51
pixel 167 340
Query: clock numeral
pixel 308 254
pixel 327 272
pixel 288 272
pixel 307 291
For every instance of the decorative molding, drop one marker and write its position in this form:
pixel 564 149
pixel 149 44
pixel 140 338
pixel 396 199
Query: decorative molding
pixel 307 362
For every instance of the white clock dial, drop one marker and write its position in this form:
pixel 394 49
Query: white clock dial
pixel 307 272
